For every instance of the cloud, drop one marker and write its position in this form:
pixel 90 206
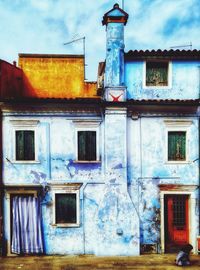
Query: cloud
pixel 32 26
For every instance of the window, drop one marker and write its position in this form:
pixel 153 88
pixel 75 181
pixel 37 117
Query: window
pixel 157 74
pixel 25 141
pixel 87 145
pixel 176 146
pixel 25 145
pixel 86 140
pixel 66 210
pixel 178 134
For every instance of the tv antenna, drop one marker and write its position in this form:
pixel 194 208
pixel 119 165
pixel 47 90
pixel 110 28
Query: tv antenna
pixel 123 4
pixel 182 46
pixel 75 40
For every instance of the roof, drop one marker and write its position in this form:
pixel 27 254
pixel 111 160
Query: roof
pixel 80 105
pixel 102 101
pixel 35 55
pixel 114 15
pixel 169 54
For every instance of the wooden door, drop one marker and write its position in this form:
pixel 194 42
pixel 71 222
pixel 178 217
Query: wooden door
pixel 176 220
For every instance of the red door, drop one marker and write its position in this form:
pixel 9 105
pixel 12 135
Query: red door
pixel 176 221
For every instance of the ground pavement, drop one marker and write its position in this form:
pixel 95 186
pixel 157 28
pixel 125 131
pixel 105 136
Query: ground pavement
pixel 84 262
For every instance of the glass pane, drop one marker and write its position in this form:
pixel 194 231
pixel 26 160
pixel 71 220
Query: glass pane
pixel 66 208
pixel 179 211
pixel 156 74
pixel 177 145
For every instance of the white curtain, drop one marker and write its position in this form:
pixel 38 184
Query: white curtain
pixel 26 225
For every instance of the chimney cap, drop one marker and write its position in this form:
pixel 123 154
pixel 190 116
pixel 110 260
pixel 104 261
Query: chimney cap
pixel 115 15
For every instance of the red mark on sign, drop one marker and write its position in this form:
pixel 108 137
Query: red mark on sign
pixel 116 99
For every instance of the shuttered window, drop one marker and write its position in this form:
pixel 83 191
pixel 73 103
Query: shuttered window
pixel 176 145
pixel 25 145
pixel 87 145
pixel 66 205
pixel 157 73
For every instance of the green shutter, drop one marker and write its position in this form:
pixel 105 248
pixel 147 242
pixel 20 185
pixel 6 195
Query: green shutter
pixel 176 145
pixel 25 145
pixel 19 145
pixel 91 145
pixel 87 145
pixel 66 208
pixel 81 145
pixel 29 145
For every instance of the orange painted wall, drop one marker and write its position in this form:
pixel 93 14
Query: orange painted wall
pixel 55 76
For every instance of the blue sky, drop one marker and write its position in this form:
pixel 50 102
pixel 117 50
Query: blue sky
pixel 42 26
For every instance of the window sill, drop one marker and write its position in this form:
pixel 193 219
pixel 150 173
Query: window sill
pixel 25 161
pixel 87 161
pixel 167 87
pixel 66 225
pixel 177 162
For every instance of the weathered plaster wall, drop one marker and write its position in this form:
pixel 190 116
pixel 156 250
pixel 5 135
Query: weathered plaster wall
pixel 50 76
pixel 113 220
pixel 185 82
pixel 148 167
pixel 108 220
pixel 114 75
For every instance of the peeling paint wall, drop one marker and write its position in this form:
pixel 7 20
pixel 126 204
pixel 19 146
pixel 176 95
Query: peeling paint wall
pixel 148 167
pixel 109 223
pixel 50 76
pixel 114 54
pixel 185 81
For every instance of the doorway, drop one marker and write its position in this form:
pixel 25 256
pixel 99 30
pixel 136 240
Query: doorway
pixel 176 226
pixel 25 225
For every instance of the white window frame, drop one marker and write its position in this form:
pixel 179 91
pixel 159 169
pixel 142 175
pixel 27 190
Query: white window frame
pixel 87 126
pixel 72 189
pixel 169 77
pixel 25 125
pixel 178 126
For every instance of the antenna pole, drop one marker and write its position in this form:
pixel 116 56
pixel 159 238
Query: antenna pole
pixel 122 4
pixel 74 40
pixel 84 55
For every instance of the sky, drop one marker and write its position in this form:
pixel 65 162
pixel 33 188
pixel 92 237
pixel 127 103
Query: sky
pixel 43 26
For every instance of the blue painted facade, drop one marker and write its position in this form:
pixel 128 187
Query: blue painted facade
pixel 122 194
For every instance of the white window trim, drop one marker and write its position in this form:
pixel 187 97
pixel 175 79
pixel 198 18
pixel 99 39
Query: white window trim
pixel 26 125
pixel 67 190
pixel 179 126
pixel 87 126
pixel 169 78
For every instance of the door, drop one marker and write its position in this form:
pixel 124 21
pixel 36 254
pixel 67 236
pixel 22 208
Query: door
pixel 176 222
pixel 26 230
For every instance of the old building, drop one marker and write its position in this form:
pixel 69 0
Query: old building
pixel 107 171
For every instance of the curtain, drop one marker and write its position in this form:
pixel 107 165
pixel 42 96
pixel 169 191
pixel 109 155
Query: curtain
pixel 26 225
